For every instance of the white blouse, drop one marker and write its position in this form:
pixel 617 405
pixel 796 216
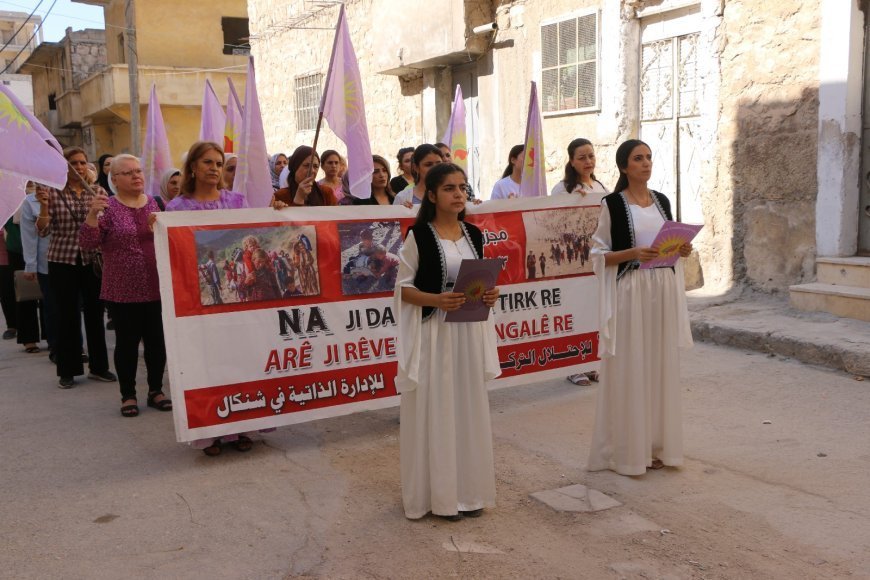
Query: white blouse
pixel 454 253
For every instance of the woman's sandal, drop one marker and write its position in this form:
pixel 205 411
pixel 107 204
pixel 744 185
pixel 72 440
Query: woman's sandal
pixel 163 404
pixel 657 464
pixel 130 409
pixel 32 349
pixel 593 376
pixel 214 449
pixel 244 443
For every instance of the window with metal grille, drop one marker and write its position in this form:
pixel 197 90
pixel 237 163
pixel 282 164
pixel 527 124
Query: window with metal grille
pixel 569 64
pixel 308 90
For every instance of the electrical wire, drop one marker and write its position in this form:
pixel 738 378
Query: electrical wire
pixel 29 16
pixel 36 29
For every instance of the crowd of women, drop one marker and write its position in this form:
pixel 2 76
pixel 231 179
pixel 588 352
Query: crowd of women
pixel 90 246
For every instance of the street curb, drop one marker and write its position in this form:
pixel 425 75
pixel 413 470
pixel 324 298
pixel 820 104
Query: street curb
pixel 851 358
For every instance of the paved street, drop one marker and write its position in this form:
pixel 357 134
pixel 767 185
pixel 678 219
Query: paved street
pixel 85 493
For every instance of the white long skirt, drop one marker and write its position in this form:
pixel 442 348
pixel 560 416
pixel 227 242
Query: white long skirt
pixel 445 438
pixel 638 416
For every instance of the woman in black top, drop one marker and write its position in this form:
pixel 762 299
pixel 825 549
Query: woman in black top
pixel 382 194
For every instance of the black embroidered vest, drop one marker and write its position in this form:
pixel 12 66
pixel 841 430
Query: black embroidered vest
pixel 622 226
pixel 431 278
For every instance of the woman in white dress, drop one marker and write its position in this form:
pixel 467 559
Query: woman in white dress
pixel 445 438
pixel 509 184
pixel 643 322
pixel 580 179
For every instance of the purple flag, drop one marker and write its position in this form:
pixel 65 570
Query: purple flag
pixel 343 108
pixel 24 154
pixel 233 128
pixel 213 118
pixel 456 137
pixel 533 183
pixel 156 157
pixel 253 177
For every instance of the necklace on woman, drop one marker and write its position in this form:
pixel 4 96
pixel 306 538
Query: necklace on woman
pixel 632 197
pixel 453 236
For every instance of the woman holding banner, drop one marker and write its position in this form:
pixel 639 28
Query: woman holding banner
pixel 445 436
pixel 643 322
pixel 121 228
pixel 201 181
pixel 580 179
pixel 302 188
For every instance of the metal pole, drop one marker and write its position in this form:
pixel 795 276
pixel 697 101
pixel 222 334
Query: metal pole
pixel 133 70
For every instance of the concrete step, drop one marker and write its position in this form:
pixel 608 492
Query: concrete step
pixel 852 271
pixel 846 301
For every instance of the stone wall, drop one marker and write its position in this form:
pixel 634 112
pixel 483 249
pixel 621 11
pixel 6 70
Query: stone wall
pixel 768 134
pixel 86 51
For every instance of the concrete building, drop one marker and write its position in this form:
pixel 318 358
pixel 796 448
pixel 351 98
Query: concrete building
pixel 57 70
pixel 179 45
pixel 19 36
pixel 752 135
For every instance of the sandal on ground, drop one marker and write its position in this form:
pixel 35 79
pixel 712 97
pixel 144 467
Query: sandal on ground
pixel 593 376
pixel 214 449
pixel 32 349
pixel 450 518
pixel 472 513
pixel 163 404
pixel 581 380
pixel 244 443
pixel 657 464
pixel 130 409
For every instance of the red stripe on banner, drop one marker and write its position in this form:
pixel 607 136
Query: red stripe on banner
pixel 552 353
pixel 227 404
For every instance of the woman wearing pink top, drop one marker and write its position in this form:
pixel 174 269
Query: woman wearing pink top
pixel 121 227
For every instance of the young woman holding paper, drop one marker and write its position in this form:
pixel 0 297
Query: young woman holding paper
pixel 445 437
pixel 643 321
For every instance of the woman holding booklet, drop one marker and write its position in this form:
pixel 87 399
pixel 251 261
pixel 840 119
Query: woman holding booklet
pixel 643 322
pixel 445 437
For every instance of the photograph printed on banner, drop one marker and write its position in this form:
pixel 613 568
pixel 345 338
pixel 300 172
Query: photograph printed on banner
pixel 558 241
pixel 369 256
pixel 256 264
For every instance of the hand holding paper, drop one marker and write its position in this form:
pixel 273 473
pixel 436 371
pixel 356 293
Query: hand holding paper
pixel 668 242
pixel 476 280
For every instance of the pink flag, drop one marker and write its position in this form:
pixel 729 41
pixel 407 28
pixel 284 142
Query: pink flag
pixel 343 108
pixel 455 137
pixel 253 177
pixel 233 128
pixel 156 157
pixel 533 183
pixel 24 154
pixel 213 118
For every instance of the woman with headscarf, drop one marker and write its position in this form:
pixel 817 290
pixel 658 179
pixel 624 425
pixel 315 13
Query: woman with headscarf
pixel 277 163
pixel 229 175
pixel 170 187
pixel 302 189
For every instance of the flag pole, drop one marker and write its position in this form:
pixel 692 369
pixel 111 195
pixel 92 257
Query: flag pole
pixel 326 86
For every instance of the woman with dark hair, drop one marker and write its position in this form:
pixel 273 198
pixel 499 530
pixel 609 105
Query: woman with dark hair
pixel 302 189
pixel 445 438
pixel 643 323
pixel 74 281
pixel 103 172
pixel 509 184
pixel 331 163
pixel 580 173
pixel 381 192
pixel 202 181
pixel 425 157
pixel 405 170
pixel 121 227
